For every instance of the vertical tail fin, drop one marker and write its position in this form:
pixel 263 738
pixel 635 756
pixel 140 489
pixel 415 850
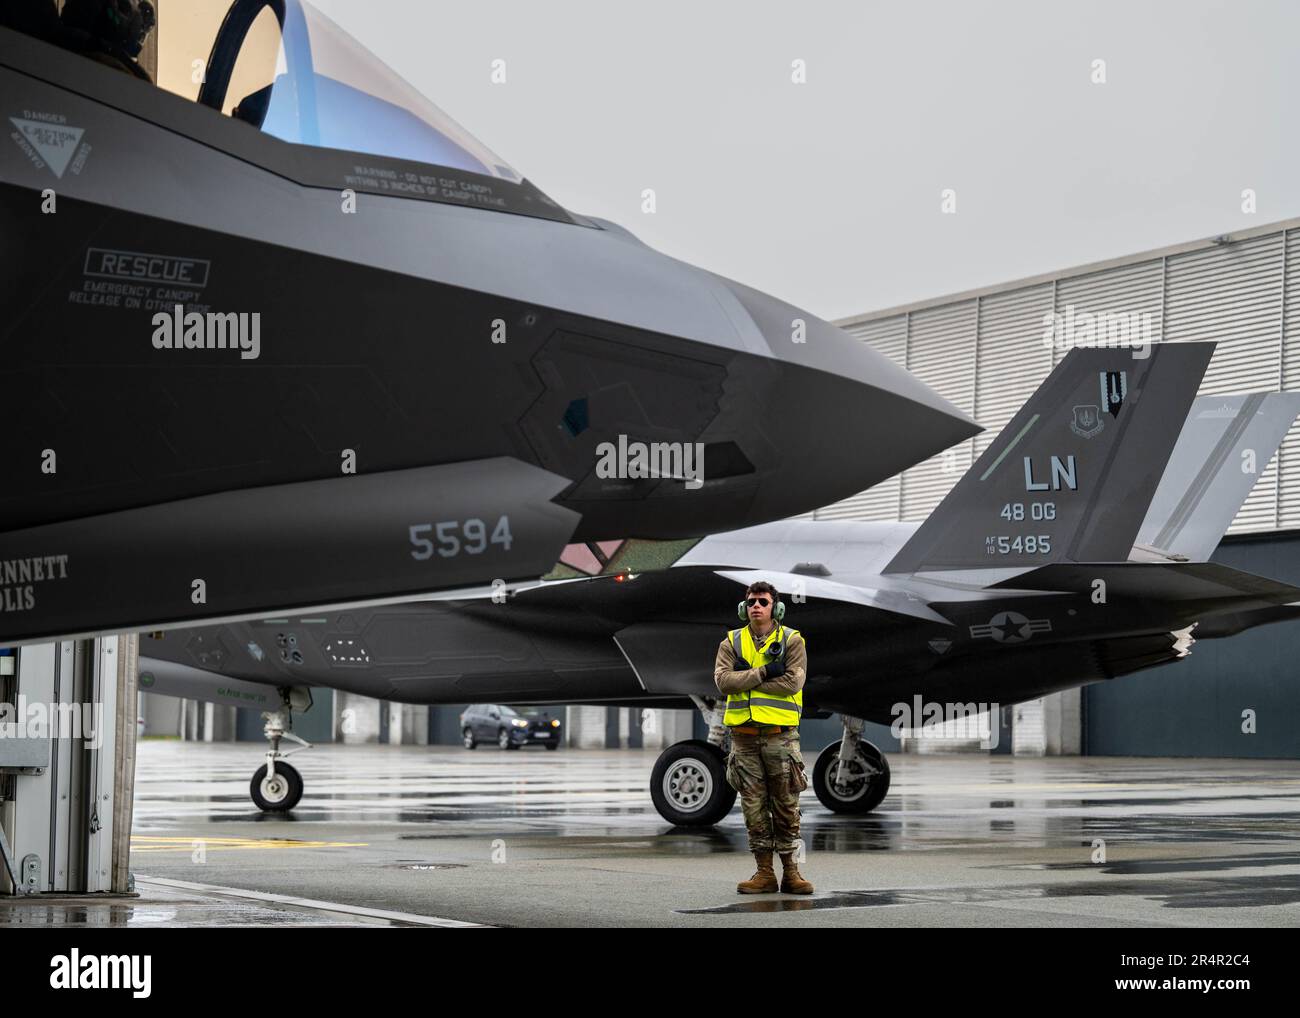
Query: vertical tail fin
pixel 1071 477
pixel 1224 448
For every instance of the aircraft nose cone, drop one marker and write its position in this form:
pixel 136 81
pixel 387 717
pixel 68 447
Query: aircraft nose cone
pixel 849 417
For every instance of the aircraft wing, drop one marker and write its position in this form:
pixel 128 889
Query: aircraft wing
pixel 1232 623
pixel 899 602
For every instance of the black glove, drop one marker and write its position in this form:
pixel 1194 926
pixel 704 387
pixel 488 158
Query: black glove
pixel 774 669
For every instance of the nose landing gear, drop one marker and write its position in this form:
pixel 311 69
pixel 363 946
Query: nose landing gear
pixel 277 786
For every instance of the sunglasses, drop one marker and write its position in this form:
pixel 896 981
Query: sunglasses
pixel 762 602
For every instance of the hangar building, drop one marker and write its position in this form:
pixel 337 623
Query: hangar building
pixel 987 350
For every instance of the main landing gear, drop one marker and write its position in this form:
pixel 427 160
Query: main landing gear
pixel 689 784
pixel 851 776
pixel 277 786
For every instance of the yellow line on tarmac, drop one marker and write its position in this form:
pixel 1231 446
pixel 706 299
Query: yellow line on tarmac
pixel 152 843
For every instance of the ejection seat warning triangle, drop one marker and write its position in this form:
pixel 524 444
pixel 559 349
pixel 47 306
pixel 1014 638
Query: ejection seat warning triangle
pixel 54 143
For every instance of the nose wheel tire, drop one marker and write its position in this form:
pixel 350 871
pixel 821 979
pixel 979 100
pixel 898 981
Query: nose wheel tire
pixel 864 786
pixel 278 793
pixel 689 784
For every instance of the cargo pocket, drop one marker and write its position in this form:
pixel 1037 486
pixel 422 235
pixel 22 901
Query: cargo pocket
pixel 798 774
pixel 733 775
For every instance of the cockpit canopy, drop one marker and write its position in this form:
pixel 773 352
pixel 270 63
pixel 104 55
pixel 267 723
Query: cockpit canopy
pixel 286 69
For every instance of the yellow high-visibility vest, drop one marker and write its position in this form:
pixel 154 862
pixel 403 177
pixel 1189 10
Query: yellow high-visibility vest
pixel 751 705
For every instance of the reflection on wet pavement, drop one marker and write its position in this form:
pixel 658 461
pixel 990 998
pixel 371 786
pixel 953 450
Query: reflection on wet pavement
pixel 163 906
pixel 1236 892
pixel 409 834
pixel 446 792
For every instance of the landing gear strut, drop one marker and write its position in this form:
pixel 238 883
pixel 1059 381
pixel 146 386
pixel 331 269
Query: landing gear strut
pixel 689 783
pixel 276 786
pixel 851 776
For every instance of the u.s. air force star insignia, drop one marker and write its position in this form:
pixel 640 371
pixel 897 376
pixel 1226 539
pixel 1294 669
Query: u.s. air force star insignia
pixel 1011 627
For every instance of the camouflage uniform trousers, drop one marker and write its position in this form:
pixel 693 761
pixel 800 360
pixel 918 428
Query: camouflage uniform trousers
pixel 767 770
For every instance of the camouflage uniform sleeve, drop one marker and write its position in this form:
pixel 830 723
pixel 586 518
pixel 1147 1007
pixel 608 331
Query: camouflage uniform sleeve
pixel 796 671
pixel 726 676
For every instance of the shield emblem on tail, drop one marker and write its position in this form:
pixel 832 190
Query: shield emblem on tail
pixel 1087 421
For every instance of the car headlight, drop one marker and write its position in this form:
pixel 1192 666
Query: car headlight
pixel 555 724
pixel 519 723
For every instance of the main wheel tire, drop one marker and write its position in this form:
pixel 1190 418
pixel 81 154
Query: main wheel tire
pixel 689 784
pixel 278 794
pixel 467 737
pixel 863 791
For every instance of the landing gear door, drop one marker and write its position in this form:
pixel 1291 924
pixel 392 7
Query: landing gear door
pixel 672 659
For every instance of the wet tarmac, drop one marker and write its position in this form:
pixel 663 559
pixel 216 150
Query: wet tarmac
pixel 437 836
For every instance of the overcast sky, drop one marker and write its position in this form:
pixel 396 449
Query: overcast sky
pixel 828 194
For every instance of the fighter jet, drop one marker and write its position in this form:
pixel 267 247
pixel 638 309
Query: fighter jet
pixel 298 339
pixel 1074 550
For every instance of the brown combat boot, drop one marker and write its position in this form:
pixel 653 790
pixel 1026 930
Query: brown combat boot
pixel 791 881
pixel 763 881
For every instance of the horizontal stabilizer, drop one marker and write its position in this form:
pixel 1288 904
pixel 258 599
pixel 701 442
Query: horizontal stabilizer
pixel 1227 624
pixel 1206 582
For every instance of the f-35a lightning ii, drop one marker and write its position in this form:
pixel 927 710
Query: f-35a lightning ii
pixel 1074 550
pixel 282 334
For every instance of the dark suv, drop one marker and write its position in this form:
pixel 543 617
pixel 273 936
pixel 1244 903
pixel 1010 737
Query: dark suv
pixel 509 727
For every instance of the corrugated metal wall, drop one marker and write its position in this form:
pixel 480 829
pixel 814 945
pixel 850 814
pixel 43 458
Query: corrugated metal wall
pixel 986 353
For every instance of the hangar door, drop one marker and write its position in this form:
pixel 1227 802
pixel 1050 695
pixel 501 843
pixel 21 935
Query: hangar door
pixel 1199 706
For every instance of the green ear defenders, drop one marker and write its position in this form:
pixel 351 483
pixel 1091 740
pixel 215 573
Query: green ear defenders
pixel 778 613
